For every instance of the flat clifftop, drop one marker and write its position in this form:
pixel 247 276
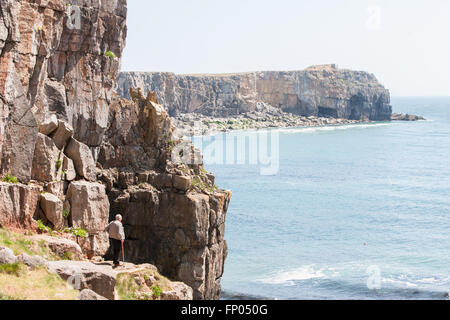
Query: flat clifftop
pixel 44 267
pixel 324 91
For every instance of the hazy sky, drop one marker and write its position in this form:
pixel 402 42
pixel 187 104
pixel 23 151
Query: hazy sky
pixel 405 43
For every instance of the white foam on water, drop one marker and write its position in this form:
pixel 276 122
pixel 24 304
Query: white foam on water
pixel 428 283
pixel 299 274
pixel 331 128
pixel 428 280
pixel 296 129
pixel 400 283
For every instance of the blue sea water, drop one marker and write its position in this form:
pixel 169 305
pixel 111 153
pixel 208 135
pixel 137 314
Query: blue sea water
pixel 354 212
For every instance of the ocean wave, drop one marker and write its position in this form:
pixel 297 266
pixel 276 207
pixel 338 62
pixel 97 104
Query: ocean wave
pixel 290 277
pixel 400 283
pixel 230 295
pixel 331 128
pixel 426 283
pixel 389 289
pixel 341 283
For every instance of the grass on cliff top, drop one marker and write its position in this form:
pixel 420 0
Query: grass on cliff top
pixel 133 286
pixel 19 283
pixel 20 243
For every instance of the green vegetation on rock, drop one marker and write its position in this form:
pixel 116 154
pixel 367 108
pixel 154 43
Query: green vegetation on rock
pixel 43 228
pixel 66 213
pixel 10 179
pixel 198 183
pixel 145 284
pixel 110 54
pixel 5 297
pixel 20 243
pixel 67 256
pixel 15 269
pixel 37 284
pixel 156 291
pixel 79 232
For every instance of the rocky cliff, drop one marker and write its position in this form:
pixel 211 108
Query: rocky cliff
pixel 321 91
pixel 74 154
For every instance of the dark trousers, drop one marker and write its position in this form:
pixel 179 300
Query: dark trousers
pixel 116 247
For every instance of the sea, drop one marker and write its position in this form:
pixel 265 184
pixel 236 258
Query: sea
pixel 357 211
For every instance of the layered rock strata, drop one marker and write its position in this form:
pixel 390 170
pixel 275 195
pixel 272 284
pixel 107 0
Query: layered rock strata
pixel 81 152
pixel 52 62
pixel 320 91
pixel 174 215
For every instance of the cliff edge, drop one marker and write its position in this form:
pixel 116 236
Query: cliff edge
pixel 320 91
pixel 74 154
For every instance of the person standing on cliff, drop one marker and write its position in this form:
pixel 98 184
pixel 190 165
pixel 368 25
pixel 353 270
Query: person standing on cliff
pixel 116 237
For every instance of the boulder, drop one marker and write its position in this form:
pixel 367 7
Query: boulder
pixel 55 93
pixel 69 169
pixel 126 179
pixel 211 179
pixel 110 178
pixel 53 209
pixel 57 188
pixel 161 180
pixel 62 134
pixel 82 159
pixel 89 207
pixel 46 161
pixel 86 275
pixel 49 125
pixel 87 294
pixel 95 244
pixel 32 261
pixel 405 117
pixel 143 177
pixel 18 204
pixel 61 246
pixel 18 126
pixel 7 256
pixel 180 291
pixel 182 183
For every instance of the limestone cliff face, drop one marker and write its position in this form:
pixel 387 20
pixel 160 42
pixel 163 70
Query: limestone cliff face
pixel 64 130
pixel 174 215
pixel 317 91
pixel 53 62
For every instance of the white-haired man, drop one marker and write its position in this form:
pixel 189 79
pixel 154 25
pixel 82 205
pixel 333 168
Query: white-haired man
pixel 116 237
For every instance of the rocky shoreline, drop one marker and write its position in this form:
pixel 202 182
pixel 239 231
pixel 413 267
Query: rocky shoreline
pixel 195 124
pixel 192 124
pixel 406 117
pixel 73 153
pixel 322 95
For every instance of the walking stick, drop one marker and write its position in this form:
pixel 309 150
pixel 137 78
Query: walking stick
pixel 123 255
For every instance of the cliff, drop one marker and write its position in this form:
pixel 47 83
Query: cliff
pixel 74 154
pixel 30 266
pixel 321 91
pixel 51 65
